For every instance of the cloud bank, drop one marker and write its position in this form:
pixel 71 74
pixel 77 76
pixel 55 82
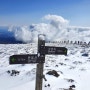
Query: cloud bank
pixel 56 28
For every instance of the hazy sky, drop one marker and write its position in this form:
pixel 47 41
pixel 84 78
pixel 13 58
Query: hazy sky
pixel 26 12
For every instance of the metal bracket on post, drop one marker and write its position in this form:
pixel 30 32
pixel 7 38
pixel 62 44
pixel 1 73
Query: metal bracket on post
pixel 44 77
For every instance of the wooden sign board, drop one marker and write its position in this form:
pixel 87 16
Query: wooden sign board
pixel 23 59
pixel 49 50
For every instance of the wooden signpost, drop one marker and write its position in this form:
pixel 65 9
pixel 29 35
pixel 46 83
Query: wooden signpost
pixel 38 58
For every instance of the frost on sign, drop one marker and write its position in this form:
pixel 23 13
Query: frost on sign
pixel 42 37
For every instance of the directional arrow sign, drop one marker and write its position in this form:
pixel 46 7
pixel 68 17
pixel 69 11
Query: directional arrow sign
pixel 53 50
pixel 24 59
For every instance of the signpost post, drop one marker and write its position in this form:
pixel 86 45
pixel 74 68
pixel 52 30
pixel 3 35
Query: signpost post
pixel 38 58
pixel 41 57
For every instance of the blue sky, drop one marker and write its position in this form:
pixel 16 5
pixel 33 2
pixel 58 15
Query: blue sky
pixel 20 12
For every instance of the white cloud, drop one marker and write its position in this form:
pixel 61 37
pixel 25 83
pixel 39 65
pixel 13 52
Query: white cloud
pixel 57 21
pixel 23 35
pixel 57 29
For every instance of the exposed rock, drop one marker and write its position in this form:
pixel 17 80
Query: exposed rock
pixel 85 54
pixel 13 72
pixel 53 72
pixel 70 80
pixel 72 87
pixel 48 85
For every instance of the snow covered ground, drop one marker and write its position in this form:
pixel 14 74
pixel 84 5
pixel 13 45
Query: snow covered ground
pixel 73 69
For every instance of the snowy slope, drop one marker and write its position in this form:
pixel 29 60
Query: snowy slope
pixel 73 69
